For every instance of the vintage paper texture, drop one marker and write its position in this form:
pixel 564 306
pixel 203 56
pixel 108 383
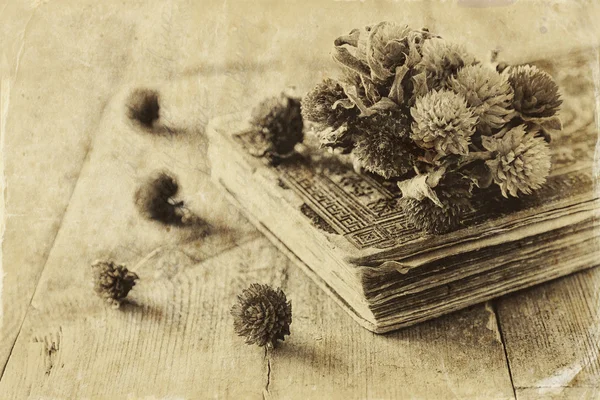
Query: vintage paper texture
pixel 63 64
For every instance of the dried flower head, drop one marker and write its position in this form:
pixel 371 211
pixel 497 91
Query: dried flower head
pixel 382 145
pixel 324 105
pixel 443 122
pixel 278 121
pixel 390 45
pixel 441 60
pixel 536 93
pixel 112 282
pixel 262 315
pixel 454 192
pixel 521 161
pixel 386 48
pixel 155 199
pixel 487 92
pixel 143 107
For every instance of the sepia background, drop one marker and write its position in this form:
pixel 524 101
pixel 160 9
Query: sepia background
pixel 70 163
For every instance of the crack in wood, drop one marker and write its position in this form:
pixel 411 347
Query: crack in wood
pixel 266 393
pixel 503 342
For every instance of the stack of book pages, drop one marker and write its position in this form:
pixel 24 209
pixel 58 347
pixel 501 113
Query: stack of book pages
pixel 348 233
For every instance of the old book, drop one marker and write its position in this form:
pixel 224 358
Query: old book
pixel 347 232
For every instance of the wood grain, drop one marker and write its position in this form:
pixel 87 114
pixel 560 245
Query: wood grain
pixel 54 88
pixel 552 337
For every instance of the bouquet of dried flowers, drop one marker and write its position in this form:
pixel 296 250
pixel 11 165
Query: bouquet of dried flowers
pixel 414 108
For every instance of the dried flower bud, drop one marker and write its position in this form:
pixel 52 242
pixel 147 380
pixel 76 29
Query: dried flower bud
pixel 279 124
pixel 487 92
pixel 441 60
pixel 443 122
pixel 112 282
pixel 262 315
pixel 536 93
pixel 453 193
pixel 382 145
pixel 386 49
pixel 521 161
pixel 143 107
pixel 323 105
pixel 155 199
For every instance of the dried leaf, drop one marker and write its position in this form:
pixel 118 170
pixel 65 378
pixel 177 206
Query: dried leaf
pixel 352 94
pixel 421 186
pixel 397 91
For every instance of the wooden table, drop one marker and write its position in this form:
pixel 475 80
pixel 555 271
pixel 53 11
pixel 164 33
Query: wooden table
pixel 72 162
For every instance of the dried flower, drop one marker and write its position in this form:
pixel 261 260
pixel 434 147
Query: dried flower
pixel 453 193
pixel 382 145
pixel 521 160
pixel 487 92
pixel 155 199
pixel 143 107
pixel 390 45
pixel 112 282
pixel 386 48
pixel 262 315
pixel 441 60
pixel 279 124
pixel 442 121
pixel 536 93
pixel 327 105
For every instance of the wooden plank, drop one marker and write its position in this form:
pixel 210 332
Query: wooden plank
pixel 552 337
pixel 329 356
pixel 177 340
pixel 57 80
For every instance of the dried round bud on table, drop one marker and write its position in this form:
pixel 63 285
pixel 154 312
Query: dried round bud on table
pixel 112 282
pixel 262 315
pixel 521 161
pixel 143 107
pixel 278 122
pixel 155 199
pixel 536 93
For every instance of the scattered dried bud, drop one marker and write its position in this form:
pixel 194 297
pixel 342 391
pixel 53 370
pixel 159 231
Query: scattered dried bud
pixel 262 315
pixel 155 200
pixel 278 123
pixel 143 107
pixel 112 282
